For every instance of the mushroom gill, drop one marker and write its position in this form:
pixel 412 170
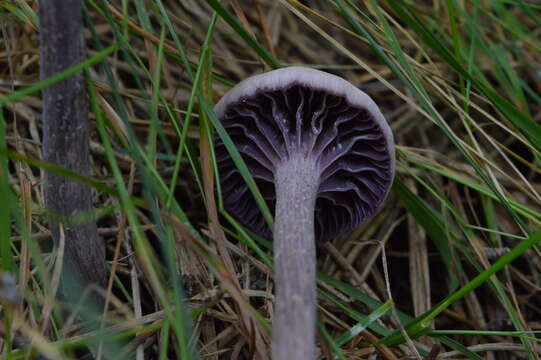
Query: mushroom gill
pixel 344 140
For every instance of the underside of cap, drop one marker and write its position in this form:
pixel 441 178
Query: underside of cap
pixel 312 78
pixel 300 111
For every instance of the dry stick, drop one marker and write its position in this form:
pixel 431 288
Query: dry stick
pixel 384 350
pixel 66 143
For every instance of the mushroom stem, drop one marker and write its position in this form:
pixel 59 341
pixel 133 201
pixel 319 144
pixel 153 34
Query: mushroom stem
pixel 294 326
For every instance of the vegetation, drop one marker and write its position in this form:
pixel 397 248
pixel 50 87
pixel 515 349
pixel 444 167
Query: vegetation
pixel 448 269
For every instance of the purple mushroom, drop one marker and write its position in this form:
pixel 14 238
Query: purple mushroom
pixel 323 157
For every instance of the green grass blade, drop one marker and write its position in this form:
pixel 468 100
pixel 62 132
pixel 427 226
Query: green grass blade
pixel 239 162
pixel 241 31
pixel 18 95
pixel 420 325
pixel 362 325
pixel 5 195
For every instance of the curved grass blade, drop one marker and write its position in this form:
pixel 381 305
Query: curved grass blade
pixel 241 31
pixel 5 194
pixel 239 162
pixel 419 326
pixel 420 93
pixel 522 122
pixel 18 95
pixel 362 325
pixel 335 347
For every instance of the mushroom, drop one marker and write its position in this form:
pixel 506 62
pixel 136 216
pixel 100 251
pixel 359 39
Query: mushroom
pixel 322 156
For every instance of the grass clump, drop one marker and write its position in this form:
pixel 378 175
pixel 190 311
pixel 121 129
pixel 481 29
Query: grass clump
pixel 450 266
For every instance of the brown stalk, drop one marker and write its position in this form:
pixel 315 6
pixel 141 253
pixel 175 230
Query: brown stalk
pixel 66 143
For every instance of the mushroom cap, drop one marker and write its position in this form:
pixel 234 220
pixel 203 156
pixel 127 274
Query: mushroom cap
pixel 297 110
